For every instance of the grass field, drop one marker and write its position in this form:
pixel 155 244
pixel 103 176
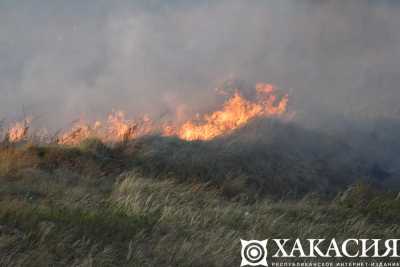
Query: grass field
pixel 92 205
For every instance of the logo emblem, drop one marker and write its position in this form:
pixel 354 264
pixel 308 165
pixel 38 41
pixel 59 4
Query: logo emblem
pixel 254 253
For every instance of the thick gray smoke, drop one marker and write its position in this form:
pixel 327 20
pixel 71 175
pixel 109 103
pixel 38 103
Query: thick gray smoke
pixel 62 59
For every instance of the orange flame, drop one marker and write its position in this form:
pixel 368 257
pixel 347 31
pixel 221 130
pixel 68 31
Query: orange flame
pixel 115 129
pixel 267 101
pixel 236 112
pixel 79 132
pixel 19 131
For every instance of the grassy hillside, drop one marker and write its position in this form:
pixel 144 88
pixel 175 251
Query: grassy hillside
pixel 266 157
pixel 92 205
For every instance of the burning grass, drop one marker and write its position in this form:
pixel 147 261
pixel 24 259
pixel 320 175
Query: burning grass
pixel 156 200
pixel 236 112
pixel 262 158
pixel 266 101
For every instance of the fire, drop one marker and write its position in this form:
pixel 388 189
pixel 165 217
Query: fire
pixel 19 131
pixel 237 110
pixel 116 129
pixel 80 131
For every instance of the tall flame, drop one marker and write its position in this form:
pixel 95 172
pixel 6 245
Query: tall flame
pixel 236 112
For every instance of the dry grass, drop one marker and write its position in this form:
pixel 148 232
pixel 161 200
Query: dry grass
pixel 93 206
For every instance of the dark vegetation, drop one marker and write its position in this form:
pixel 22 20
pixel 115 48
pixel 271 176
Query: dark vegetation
pixel 165 202
pixel 264 158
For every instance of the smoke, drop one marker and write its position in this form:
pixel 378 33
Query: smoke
pixel 60 60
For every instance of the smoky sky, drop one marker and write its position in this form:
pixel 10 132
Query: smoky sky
pixel 62 59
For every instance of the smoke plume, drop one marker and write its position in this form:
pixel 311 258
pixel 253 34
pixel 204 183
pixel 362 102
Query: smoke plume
pixel 61 60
